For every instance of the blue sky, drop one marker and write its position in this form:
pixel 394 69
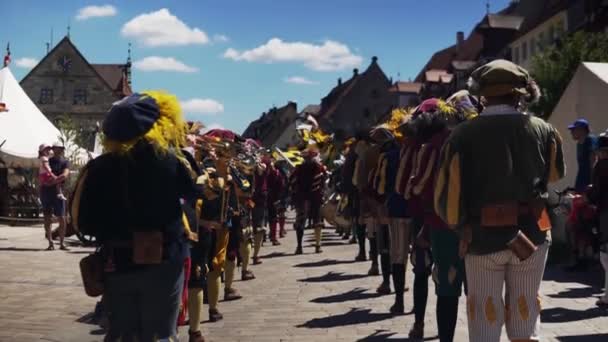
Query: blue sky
pixel 230 60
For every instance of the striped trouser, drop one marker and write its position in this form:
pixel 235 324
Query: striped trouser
pixel 400 240
pixel 486 308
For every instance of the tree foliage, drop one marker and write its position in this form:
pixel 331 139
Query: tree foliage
pixel 554 68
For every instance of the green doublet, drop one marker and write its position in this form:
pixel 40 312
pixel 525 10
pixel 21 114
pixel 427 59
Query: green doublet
pixel 496 159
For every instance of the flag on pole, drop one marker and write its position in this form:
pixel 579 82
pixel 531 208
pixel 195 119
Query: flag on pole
pixel 7 57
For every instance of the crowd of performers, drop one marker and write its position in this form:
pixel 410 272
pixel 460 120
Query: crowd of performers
pixel 452 184
pixel 175 211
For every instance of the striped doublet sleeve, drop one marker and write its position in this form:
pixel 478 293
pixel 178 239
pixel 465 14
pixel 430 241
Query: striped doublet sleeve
pixel 448 196
pixel 403 173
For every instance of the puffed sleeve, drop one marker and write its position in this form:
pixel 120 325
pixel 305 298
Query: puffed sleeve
pixel 557 167
pixel 448 197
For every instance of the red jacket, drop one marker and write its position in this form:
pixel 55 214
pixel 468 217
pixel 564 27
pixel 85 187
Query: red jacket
pixel 307 182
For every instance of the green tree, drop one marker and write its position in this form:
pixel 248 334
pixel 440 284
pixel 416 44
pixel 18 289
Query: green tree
pixel 555 67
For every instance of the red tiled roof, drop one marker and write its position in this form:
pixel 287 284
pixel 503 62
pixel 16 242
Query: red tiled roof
pixel 441 60
pixel 406 87
pixel 114 75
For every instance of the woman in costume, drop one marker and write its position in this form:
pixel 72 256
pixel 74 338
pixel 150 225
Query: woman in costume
pixel 129 199
pixel 492 181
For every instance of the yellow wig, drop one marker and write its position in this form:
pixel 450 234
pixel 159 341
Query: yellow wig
pixel 168 132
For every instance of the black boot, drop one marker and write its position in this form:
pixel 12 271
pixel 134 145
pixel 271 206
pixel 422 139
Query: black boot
pixel 399 285
pixel 361 240
pixel 421 293
pixel 447 315
pixel 299 236
pixel 385 266
pixel 373 256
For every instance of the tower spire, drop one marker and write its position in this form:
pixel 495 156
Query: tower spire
pixel 488 7
pixel 68 31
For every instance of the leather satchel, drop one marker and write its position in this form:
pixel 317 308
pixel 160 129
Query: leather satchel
pixel 92 271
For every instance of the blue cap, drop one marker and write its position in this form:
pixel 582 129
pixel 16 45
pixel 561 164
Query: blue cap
pixel 580 123
pixel 131 117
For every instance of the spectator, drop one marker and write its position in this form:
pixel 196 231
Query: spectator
pixel 53 202
pixel 585 146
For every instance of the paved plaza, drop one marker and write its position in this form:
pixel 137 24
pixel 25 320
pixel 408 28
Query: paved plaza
pixel 311 297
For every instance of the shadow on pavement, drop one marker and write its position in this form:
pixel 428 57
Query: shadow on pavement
pixel 354 294
pixel 275 255
pixel 328 244
pixel 589 278
pixel 583 338
pixel 354 317
pixel 385 335
pixel 580 292
pixel 562 315
pixel 326 262
pixel 333 276
pixel 17 249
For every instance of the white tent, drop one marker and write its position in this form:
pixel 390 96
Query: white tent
pixel 23 127
pixel 585 97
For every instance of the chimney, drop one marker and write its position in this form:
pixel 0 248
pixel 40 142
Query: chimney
pixel 459 40
pixel 340 81
pixel 355 72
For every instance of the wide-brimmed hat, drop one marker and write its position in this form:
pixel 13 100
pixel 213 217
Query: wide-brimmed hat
pixel 500 78
pixel 131 117
pixel 43 147
pixel 58 144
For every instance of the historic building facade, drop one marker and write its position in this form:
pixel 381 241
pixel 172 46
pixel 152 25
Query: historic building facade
pixel 65 83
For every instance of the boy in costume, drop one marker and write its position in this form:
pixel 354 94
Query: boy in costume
pixel 140 227
pixel 503 224
pixel 385 139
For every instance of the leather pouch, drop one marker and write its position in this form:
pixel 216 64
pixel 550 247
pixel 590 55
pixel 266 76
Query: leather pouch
pixel 91 270
pixel 521 246
pixel 500 215
pixel 147 248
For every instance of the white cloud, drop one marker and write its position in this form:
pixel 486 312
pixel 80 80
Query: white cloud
pixel 300 80
pixel 96 11
pixel 156 63
pixel 26 62
pixel 220 38
pixel 330 56
pixel 161 28
pixel 202 106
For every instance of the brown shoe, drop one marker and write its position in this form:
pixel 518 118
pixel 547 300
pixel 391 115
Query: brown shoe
pixel 318 249
pixel 257 261
pixel 282 234
pixel 195 336
pixel 417 331
pixel 247 275
pixel 215 315
pixel 298 251
pixel 231 294
pixel 276 243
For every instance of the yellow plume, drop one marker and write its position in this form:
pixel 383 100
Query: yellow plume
pixel 168 132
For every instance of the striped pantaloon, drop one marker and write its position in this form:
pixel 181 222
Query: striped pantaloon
pixel 519 310
pixel 400 240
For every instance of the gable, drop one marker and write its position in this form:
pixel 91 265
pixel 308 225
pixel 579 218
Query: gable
pixel 50 67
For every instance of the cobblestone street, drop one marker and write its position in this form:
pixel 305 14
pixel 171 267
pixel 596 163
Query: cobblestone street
pixel 311 297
